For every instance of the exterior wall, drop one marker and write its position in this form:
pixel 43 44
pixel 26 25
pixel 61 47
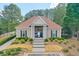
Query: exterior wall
pixel 31 33
pixel 17 33
pixel 45 32
pixel 31 29
pixel 59 33
pixel 28 31
pixel 49 32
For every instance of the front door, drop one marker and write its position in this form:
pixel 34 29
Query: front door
pixel 38 31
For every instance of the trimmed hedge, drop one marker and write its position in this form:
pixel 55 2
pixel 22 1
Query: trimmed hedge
pixel 2 41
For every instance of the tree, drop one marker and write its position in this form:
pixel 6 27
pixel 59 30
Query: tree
pixel 11 17
pixel 59 13
pixel 37 13
pixel 72 20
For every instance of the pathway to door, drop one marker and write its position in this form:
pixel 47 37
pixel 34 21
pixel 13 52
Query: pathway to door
pixel 39 50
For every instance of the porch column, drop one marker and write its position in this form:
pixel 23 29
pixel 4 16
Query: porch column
pixel 44 32
pixel 32 32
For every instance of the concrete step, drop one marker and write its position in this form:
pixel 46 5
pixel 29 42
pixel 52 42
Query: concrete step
pixel 36 54
pixel 38 45
pixel 38 40
pixel 38 50
pixel 46 54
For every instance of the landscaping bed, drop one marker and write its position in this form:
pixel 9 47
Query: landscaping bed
pixel 20 40
pixel 10 52
pixel 23 46
pixel 70 47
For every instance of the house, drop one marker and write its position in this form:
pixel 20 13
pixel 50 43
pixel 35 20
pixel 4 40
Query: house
pixel 38 27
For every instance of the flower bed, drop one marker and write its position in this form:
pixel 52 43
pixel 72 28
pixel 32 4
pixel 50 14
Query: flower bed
pixel 53 48
pixel 59 40
pixel 27 47
pixel 22 40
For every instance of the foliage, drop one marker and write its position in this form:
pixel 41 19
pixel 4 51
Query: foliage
pixel 73 45
pixel 65 50
pixel 46 40
pixel 59 13
pixel 72 17
pixel 53 48
pixel 65 42
pixel 70 47
pixel 66 32
pixel 54 39
pixel 4 40
pixel 22 46
pixel 11 15
pixel 21 40
pixel 78 49
pixel 10 52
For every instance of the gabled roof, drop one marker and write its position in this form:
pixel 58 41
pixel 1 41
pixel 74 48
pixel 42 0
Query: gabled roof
pixel 28 22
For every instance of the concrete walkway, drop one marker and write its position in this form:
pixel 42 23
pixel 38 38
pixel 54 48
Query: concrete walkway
pixel 38 46
pixel 47 54
pixel 39 49
pixel 2 47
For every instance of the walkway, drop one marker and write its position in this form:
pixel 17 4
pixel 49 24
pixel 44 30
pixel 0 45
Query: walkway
pixel 2 47
pixel 38 49
pixel 38 46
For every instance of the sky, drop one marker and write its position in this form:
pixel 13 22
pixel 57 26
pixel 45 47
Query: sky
pixel 26 7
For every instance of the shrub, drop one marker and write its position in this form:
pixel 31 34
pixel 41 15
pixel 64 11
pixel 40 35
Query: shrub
pixel 26 38
pixel 65 50
pixel 30 39
pixel 73 45
pixel 59 42
pixel 65 42
pixel 46 40
pixel 70 47
pixel 10 52
pixel 60 38
pixel 78 49
pixel 56 40
pixel 22 41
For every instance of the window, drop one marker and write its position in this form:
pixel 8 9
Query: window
pixel 25 33
pixel 53 33
pixel 21 33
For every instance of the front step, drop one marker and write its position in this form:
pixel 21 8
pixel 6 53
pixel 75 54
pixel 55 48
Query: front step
pixel 38 45
pixel 46 54
pixel 38 41
pixel 38 50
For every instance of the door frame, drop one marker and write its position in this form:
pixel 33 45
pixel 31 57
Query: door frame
pixel 38 30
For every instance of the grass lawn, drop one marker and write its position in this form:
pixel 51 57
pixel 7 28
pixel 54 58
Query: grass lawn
pixel 71 48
